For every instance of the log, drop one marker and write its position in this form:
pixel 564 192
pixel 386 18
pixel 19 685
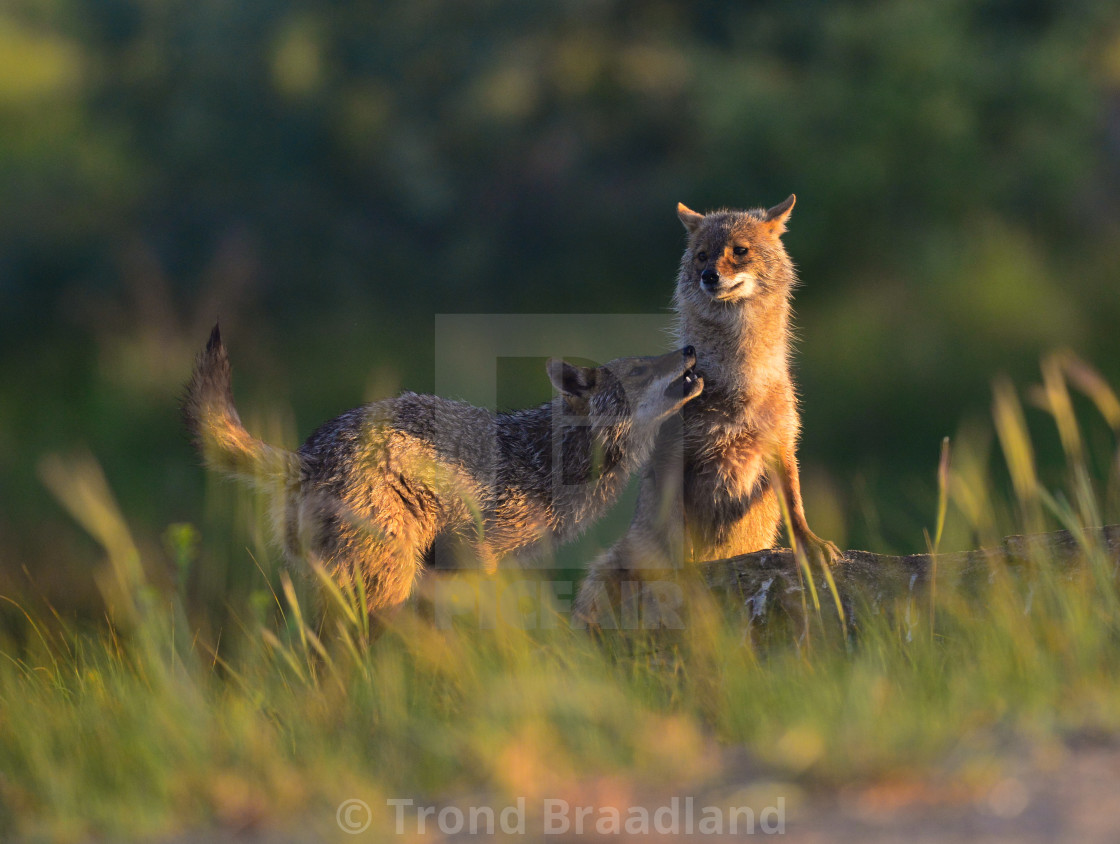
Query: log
pixel 764 579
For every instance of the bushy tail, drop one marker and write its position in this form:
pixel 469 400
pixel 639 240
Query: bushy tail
pixel 214 424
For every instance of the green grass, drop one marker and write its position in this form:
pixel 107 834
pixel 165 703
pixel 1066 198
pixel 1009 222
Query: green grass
pixel 145 726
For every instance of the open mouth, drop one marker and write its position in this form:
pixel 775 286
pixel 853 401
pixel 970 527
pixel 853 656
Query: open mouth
pixel 687 386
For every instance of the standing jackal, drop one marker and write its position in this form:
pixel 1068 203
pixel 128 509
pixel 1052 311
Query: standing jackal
pixel 372 492
pixel 738 472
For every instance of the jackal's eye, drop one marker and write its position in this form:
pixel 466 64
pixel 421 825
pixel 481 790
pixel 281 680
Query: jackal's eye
pixel 638 371
pixel 740 251
pixel 701 256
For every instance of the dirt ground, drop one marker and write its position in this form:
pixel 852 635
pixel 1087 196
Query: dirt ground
pixel 1074 797
pixel 1061 793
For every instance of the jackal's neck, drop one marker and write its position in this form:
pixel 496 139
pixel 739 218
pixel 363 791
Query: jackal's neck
pixel 741 350
pixel 568 454
pixel 592 449
pixel 595 463
pixel 565 465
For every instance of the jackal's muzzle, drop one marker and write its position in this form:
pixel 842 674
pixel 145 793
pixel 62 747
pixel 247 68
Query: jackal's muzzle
pixel 687 384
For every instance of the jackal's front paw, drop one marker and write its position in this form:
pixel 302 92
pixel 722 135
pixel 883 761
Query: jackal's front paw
pixel 820 550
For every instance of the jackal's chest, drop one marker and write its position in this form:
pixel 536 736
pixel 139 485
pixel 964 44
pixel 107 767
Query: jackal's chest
pixel 726 468
pixel 729 504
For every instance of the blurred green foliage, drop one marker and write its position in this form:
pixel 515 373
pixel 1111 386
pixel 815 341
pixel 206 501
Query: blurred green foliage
pixel 328 176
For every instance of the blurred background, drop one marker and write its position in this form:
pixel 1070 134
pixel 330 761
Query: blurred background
pixel 328 176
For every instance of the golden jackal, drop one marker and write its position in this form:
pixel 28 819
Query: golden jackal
pixel 739 439
pixel 371 493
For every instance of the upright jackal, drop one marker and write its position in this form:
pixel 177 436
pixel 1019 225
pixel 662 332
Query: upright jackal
pixel 740 438
pixel 371 493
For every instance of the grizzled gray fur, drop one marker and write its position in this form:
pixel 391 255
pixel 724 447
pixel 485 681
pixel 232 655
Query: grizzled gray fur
pixel 379 490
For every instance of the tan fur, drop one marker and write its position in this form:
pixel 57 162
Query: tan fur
pixel 739 439
pixel 380 490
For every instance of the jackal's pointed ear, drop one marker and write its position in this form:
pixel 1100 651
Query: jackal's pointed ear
pixel 569 379
pixel 776 217
pixel 688 217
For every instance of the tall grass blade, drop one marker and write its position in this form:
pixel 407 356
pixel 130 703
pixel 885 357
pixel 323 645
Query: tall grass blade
pixel 1014 439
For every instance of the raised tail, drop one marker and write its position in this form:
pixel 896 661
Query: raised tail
pixel 213 422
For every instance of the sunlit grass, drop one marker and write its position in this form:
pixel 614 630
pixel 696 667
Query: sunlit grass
pixel 143 726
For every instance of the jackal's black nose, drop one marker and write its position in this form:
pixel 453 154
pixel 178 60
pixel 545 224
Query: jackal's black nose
pixel 709 278
pixel 688 351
